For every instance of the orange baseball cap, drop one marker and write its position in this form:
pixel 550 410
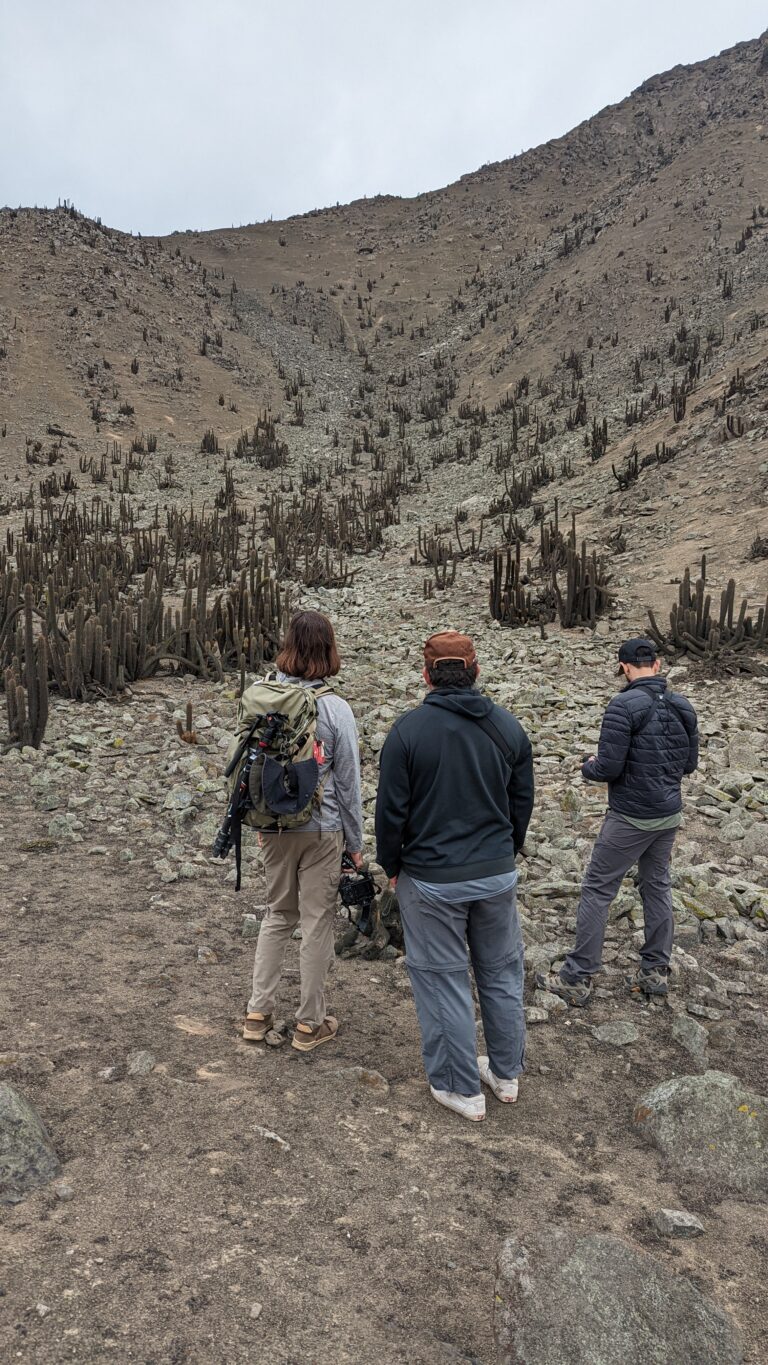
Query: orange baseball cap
pixel 449 644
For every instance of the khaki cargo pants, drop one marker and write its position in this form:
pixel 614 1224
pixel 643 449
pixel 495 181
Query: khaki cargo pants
pixel 303 871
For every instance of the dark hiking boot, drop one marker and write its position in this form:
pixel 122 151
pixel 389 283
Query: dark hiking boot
pixel 649 982
pixel 576 993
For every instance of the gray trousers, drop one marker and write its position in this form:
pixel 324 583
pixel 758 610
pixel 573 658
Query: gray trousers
pixel 436 937
pixel 617 848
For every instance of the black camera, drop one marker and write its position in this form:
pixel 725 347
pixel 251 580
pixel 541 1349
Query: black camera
pixel 223 842
pixel 357 889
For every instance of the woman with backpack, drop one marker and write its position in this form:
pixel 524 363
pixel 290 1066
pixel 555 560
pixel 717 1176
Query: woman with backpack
pixel 303 864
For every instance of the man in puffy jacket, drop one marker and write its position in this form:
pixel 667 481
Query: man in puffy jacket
pixel 455 797
pixel 648 742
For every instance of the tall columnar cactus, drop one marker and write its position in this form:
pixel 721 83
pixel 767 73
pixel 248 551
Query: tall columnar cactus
pixel 586 594
pixel 511 600
pixel 26 683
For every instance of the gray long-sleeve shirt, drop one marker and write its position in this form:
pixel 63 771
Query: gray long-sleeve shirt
pixel 342 807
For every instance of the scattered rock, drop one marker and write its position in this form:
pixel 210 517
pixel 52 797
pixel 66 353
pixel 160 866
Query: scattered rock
pixel 206 956
pixel 711 1128
pixel 692 1036
pixel 25 1064
pixel 548 1001
pixel 269 1136
pixel 65 827
pixel 140 1063
pixel 534 1014
pixel 197 1027
pixel 65 1193
pixel 618 1032
pixel 112 1073
pixel 27 1158
pixel 562 1300
pixel 275 1039
pixel 370 1080
pixel 704 1011
pixel 677 1223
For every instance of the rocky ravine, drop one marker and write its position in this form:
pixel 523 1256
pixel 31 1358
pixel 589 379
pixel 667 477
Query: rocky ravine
pixel 216 1200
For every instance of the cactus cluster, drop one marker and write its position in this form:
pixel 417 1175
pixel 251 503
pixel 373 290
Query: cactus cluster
pixel 84 604
pixel 725 639
pixel 440 557
pixel 575 585
pixel 512 601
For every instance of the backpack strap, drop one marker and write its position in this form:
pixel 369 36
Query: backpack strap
pixel 669 700
pixel 485 724
pixel 646 716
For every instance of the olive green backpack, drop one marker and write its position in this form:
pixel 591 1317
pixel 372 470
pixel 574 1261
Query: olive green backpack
pixel 273 763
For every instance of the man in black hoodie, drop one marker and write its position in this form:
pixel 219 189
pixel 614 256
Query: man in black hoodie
pixel 455 797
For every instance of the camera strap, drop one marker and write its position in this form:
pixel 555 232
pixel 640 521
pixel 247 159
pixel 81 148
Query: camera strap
pixel 237 839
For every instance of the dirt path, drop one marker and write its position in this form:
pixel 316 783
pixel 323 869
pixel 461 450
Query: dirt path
pixel 190 1237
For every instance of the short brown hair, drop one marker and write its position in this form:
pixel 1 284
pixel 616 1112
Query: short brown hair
pixel 309 648
pixel 452 675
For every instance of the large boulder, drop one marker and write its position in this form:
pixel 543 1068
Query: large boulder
pixel 565 1300
pixel 27 1158
pixel 711 1128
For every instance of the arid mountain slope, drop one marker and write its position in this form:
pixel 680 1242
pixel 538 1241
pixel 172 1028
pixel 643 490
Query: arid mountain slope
pixel 93 321
pixel 619 262
pixel 604 294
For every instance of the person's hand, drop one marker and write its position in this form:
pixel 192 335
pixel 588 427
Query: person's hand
pixel 357 859
pixel 588 758
pixel 393 883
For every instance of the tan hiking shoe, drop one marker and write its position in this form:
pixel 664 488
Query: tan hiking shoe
pixel 306 1039
pixel 256 1027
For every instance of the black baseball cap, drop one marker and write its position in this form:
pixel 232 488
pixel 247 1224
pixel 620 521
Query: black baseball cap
pixel 638 651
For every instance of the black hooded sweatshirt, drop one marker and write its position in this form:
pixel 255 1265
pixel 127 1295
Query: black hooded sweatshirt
pixel 454 802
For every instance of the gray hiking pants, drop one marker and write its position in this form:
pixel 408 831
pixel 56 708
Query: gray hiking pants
pixel 617 848
pixel 436 937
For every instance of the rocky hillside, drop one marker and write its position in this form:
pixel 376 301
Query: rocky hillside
pixel 108 336
pixel 615 280
pixel 600 298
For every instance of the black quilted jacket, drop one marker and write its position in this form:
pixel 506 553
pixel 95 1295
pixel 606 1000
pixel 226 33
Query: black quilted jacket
pixel 643 753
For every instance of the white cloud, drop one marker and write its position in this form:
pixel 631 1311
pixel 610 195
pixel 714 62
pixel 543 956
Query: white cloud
pixel 184 113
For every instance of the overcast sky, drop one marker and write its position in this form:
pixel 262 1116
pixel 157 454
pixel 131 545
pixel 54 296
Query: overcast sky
pixel 163 114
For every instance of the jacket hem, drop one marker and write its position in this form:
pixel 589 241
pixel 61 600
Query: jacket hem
pixel 464 872
pixel 643 813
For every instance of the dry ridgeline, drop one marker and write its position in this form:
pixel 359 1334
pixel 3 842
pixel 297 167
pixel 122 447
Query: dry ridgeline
pixel 533 405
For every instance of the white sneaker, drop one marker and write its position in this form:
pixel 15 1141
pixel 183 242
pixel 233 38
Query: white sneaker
pixel 506 1091
pixel 470 1107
